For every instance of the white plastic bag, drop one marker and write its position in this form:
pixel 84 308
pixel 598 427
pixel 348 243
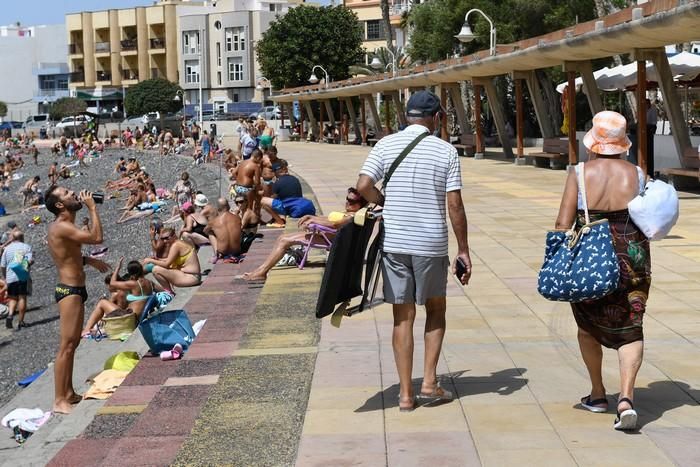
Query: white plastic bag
pixel 655 210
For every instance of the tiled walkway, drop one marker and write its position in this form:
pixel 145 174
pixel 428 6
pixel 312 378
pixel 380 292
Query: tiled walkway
pixel 511 356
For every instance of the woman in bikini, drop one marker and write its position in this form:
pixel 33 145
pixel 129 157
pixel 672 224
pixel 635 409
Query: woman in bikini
pixel 138 288
pixel 195 223
pixel 181 268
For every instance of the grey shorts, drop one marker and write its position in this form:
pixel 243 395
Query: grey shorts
pixel 413 279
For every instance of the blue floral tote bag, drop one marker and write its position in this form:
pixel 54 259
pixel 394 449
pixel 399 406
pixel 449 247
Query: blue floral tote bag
pixel 579 265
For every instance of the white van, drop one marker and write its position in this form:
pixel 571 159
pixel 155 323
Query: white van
pixel 36 122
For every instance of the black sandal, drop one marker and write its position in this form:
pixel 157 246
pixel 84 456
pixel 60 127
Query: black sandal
pixel 627 419
pixel 592 405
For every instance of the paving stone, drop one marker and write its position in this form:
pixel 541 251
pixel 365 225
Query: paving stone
pixel 109 426
pixel 132 395
pixel 156 451
pixel 193 367
pixel 181 396
pixel 80 452
pixel 210 350
pixel 173 420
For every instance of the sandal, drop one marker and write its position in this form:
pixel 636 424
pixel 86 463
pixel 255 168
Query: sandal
pixel 593 405
pixel 438 394
pixel 411 408
pixel 627 419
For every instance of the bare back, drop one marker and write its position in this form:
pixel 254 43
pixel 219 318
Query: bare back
pixel 246 173
pixel 610 184
pixel 227 230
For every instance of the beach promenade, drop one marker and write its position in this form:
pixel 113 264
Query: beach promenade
pixel 274 386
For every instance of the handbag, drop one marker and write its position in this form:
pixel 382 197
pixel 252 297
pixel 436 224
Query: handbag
pixel 655 210
pixel 163 329
pixel 579 265
pixel 116 324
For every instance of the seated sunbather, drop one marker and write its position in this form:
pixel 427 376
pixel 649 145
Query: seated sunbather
pixel 353 203
pixel 138 290
pixel 180 269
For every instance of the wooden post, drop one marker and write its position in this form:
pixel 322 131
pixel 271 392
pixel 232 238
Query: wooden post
pixel 343 122
pixel 455 94
pixel 443 121
pixel 519 115
pixel 479 150
pixel 363 117
pixel 642 114
pixel 571 108
pixel 320 121
pixel 353 118
pixel 302 117
pixel 387 117
pixel 400 111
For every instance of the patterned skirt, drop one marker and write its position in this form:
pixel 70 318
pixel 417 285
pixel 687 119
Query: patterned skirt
pixel 616 319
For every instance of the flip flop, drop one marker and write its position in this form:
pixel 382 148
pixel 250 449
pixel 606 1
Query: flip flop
pixel 438 394
pixel 627 419
pixel 592 405
pixel 408 409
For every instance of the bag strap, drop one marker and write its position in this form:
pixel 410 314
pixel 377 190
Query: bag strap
pixel 401 157
pixel 582 188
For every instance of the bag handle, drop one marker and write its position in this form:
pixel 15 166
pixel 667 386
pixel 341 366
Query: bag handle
pixel 400 158
pixel 582 188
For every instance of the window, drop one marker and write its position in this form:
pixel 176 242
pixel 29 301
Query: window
pixel 218 55
pixel 235 69
pixel 218 78
pixel 190 42
pixel 375 30
pixel 235 97
pixel 235 39
pixel 191 71
pixel 272 7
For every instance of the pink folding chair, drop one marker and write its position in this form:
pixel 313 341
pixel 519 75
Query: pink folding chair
pixel 317 239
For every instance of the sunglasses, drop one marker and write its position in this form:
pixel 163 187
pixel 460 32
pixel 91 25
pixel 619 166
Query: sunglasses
pixel 352 201
pixel 167 238
pixel 240 202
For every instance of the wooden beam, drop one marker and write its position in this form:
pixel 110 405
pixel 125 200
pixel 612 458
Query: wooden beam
pixel 519 115
pixel 343 122
pixel 364 121
pixel 369 100
pixel 479 150
pixel 455 94
pixel 321 107
pixel 535 91
pixel 590 88
pixel 329 111
pixel 498 115
pixel 400 110
pixel 571 110
pixel 642 114
pixel 313 124
pixel 387 116
pixel 353 117
pixel 444 134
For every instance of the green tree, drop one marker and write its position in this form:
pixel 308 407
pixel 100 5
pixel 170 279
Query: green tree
pixel 308 36
pixel 152 95
pixel 66 107
pixel 3 109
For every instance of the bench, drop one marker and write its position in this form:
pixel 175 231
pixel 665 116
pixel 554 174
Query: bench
pixel 466 145
pixel 372 141
pixel 690 158
pixel 554 149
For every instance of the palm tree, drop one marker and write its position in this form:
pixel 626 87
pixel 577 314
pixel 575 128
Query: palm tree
pixel 384 6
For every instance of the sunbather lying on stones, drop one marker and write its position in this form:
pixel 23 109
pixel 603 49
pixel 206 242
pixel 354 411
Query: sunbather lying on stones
pixel 180 269
pixel 353 203
pixel 138 289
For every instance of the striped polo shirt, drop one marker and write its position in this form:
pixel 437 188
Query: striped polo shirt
pixel 414 207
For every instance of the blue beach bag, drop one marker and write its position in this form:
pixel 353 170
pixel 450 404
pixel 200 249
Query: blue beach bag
pixel 579 265
pixel 163 329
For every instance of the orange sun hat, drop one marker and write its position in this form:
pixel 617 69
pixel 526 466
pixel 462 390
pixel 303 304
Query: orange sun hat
pixel 608 135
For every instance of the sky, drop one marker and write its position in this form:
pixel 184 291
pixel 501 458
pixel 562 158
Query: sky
pixel 36 12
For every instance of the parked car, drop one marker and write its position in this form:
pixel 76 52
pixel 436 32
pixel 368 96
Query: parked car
pixel 72 126
pixel 270 112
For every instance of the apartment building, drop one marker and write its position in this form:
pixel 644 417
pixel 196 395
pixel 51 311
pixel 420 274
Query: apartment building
pixel 110 50
pixel 370 15
pixel 216 44
pixel 33 78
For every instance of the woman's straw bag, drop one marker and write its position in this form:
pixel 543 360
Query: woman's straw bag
pixel 118 323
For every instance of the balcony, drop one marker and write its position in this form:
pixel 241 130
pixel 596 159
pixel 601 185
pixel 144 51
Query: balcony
pixel 399 8
pixel 128 45
pixel 102 47
pixel 103 76
pixel 157 43
pixel 128 75
pixel 75 49
pixel 76 77
pixel 52 92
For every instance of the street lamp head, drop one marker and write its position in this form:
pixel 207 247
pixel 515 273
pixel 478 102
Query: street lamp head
pixel 177 98
pixel 313 79
pixel 376 63
pixel 466 34
pixel 258 87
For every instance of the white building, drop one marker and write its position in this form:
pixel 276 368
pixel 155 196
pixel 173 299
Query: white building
pixel 34 68
pixel 216 44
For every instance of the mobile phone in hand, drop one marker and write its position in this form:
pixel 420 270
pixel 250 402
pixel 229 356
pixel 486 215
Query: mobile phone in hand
pixel 461 268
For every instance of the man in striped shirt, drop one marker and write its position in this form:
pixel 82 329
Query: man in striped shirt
pixel 414 258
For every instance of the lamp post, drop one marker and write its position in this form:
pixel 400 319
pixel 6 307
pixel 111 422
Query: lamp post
pixel 179 95
pixel 313 79
pixel 466 35
pixel 260 87
pixel 377 64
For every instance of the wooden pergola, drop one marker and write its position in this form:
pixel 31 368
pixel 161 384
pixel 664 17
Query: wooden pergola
pixel 641 31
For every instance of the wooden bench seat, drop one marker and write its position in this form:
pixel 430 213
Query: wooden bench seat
pixel 466 145
pixel 554 149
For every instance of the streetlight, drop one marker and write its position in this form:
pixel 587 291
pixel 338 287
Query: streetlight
pixel 179 95
pixel 313 79
pixel 260 87
pixel 377 64
pixel 466 35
